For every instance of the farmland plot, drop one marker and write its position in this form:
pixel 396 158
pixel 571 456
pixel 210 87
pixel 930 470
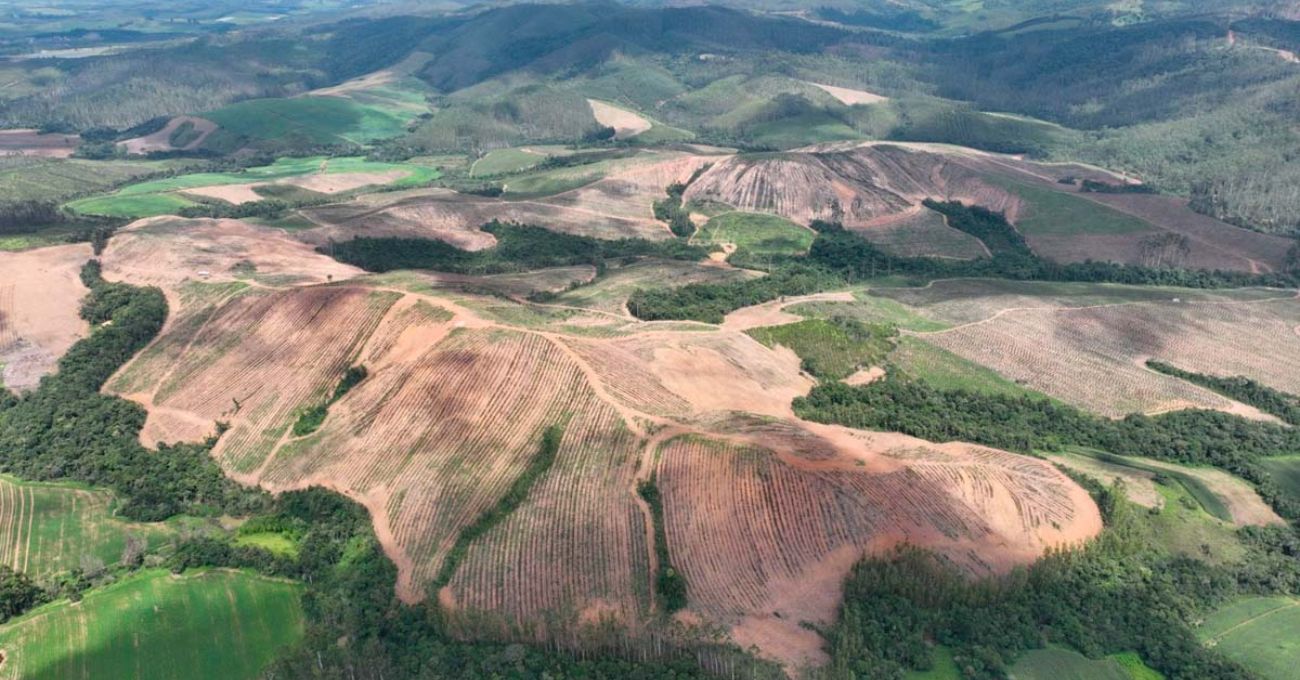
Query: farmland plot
pixel 236 369
pixel 764 538
pixel 214 625
pixel 47 528
pixel 577 548
pixel 436 435
pixel 1093 356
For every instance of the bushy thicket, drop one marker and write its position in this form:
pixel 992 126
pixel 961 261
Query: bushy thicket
pixel 519 248
pixel 1120 593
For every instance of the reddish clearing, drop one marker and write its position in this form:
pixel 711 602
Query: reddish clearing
pixel 454 407
pixel 167 251
pixel 40 293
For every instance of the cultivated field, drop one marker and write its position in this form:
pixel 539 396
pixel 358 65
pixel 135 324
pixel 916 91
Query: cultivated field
pixel 755 233
pixel 40 293
pixel 153 625
pixel 764 537
pixel 1064 664
pixel 1087 345
pixel 47 528
pixel 614 202
pixel 461 387
pixel 1258 633
pixel 168 251
pixel 611 291
pixel 32 143
pixel 314 175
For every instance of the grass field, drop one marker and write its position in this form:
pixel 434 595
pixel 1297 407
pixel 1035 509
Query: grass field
pixel 52 528
pixel 1207 499
pixel 944 667
pixel 1259 633
pixel 947 371
pixel 216 624
pixel 756 233
pixel 1286 472
pixel 160 197
pixel 505 161
pixel 1063 664
pixel 1053 213
pixel 319 120
pixel 869 308
pixel 829 349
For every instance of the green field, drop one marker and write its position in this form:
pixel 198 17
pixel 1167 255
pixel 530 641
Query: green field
pixel 52 528
pixel 318 120
pixel 1260 633
pixel 831 350
pixel 1195 488
pixel 161 197
pixel 871 309
pixel 1063 664
pixel 47 179
pixel 216 625
pixel 505 161
pixel 944 370
pixel 1057 213
pixel 944 668
pixel 756 233
pixel 1286 472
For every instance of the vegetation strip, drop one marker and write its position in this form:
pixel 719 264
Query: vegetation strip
pixel 670 585
pixel 508 503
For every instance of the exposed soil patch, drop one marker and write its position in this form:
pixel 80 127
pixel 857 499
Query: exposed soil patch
pixel 40 295
pixel 625 123
pixel 32 143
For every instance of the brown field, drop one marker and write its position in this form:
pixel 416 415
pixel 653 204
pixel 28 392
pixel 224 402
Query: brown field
pixel 764 536
pixel 32 143
pixel 611 292
pixel 862 186
pixel 40 293
pixel 167 251
pixel 618 205
pixel 234 194
pixel 851 97
pixel 1217 244
pixel 459 391
pixel 625 123
pixel 1093 356
pixel 161 140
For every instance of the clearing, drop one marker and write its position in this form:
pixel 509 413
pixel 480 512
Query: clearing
pixel 625 123
pixel 40 293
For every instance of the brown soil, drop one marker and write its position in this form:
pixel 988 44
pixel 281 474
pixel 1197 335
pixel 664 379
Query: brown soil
pixel 40 294
pixel 851 97
pixel 452 410
pixel 235 194
pixel 333 183
pixel 32 143
pixel 625 123
pixel 167 251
